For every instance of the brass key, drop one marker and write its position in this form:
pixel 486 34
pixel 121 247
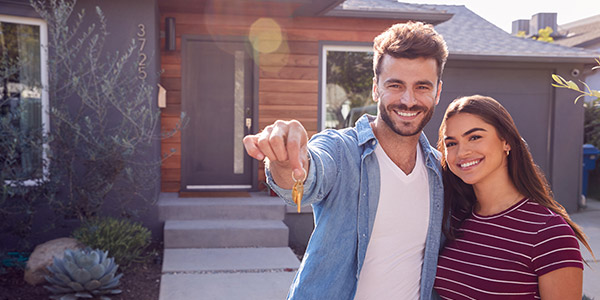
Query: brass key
pixel 298 190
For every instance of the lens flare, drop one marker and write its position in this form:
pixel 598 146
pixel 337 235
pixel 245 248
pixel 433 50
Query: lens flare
pixel 265 35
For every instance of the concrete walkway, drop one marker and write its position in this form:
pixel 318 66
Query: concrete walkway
pixel 589 220
pixel 227 273
pixel 266 273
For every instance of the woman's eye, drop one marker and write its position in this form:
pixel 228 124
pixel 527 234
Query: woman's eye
pixel 474 137
pixel 450 144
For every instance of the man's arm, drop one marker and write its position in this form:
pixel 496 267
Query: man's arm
pixel 283 146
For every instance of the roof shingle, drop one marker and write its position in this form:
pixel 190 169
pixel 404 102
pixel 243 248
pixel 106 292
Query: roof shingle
pixel 468 34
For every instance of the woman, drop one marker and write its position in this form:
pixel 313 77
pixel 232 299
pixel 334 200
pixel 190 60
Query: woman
pixel 507 237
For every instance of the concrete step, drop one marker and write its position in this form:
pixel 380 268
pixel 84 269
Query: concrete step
pixel 226 286
pixel 225 233
pixel 229 259
pixel 257 207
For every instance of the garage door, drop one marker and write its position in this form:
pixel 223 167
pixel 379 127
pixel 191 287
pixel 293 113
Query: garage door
pixel 526 93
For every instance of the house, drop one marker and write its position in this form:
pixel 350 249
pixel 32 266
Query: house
pixel 584 33
pixel 289 83
pixel 235 66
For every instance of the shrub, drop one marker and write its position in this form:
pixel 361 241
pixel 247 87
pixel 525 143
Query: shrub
pixel 125 240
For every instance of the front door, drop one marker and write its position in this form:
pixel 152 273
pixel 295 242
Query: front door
pixel 217 89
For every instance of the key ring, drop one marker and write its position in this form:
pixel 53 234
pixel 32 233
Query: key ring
pixel 305 174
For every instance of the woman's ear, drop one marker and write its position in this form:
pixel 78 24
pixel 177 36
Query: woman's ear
pixel 506 148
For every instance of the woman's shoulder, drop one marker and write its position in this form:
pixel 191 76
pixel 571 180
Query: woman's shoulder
pixel 543 217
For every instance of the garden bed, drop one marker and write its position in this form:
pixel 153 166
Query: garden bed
pixel 139 281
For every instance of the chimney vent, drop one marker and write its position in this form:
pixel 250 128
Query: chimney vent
pixel 541 21
pixel 520 25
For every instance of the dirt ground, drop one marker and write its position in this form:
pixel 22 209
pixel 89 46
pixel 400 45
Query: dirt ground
pixel 140 281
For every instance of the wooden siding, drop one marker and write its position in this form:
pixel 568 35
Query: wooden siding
pixel 288 82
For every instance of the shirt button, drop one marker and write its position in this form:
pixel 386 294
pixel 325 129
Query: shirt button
pixel 373 143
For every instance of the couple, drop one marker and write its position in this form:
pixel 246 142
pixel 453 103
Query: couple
pixel 382 216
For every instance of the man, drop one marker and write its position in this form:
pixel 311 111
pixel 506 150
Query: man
pixel 376 188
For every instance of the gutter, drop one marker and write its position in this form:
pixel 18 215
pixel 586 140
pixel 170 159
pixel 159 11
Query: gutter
pixel 584 59
pixel 427 17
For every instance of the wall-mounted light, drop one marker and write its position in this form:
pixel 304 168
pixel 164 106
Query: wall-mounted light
pixel 170 41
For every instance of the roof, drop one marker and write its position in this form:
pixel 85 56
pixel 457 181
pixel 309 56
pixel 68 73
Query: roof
pixel 389 9
pixel 470 36
pixel 580 33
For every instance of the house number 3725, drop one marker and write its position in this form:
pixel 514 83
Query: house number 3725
pixel 141 37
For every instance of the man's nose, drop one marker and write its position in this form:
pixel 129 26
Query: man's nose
pixel 408 98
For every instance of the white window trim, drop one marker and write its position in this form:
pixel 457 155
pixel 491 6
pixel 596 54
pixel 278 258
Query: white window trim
pixel 44 80
pixel 325 49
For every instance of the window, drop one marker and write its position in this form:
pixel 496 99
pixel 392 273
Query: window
pixel 347 82
pixel 23 101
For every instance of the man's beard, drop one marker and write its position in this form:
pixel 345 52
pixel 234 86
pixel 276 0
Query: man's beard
pixel 383 111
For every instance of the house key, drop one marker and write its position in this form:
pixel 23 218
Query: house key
pixel 298 190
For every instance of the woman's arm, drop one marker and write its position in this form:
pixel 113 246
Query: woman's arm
pixel 562 284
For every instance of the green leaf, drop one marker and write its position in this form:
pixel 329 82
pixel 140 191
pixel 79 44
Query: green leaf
pixel 76 286
pixel 92 285
pixel 557 78
pixel 83 295
pixel 82 276
pixel 97 271
pixel 572 85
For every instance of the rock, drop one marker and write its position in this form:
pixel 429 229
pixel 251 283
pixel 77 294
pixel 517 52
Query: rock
pixel 42 257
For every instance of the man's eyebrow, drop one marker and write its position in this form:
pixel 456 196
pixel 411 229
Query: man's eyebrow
pixel 466 133
pixel 393 80
pixel 425 82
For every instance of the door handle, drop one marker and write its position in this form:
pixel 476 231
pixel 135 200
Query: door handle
pixel 249 123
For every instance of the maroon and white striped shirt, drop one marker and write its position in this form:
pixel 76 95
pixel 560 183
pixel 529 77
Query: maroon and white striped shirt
pixel 502 256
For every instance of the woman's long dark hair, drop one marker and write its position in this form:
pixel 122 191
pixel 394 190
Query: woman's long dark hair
pixel 527 177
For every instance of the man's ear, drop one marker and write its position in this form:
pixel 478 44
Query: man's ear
pixel 439 92
pixel 375 93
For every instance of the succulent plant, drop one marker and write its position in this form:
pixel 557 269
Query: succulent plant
pixel 83 273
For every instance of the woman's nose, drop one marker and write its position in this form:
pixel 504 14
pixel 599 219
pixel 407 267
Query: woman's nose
pixel 463 151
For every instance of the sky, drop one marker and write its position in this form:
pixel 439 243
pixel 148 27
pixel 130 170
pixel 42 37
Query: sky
pixel 502 12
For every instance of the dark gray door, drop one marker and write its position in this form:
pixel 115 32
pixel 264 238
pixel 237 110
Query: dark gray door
pixel 217 81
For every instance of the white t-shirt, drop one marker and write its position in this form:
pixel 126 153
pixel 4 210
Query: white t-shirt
pixel 394 258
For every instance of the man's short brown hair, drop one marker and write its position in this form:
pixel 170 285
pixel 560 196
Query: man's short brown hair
pixel 410 40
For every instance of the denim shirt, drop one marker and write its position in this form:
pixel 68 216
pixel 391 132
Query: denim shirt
pixel 343 187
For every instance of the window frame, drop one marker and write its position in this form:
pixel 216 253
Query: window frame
pixel 45 102
pixel 326 46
